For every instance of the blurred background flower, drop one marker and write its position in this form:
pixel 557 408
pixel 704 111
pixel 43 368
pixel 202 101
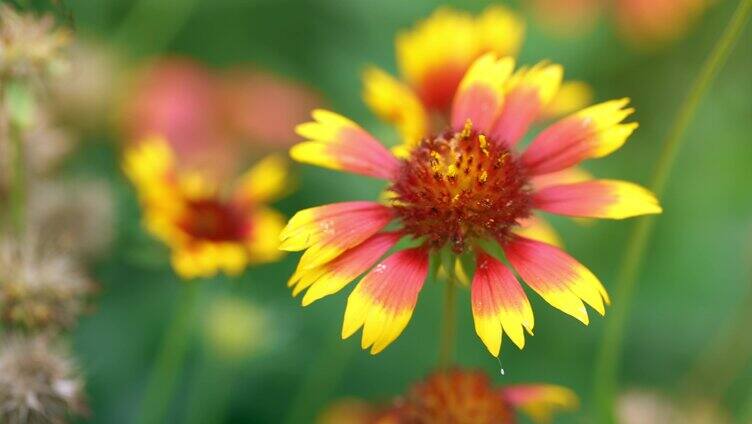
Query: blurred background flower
pixel 85 92
pixel 215 123
pixel 644 24
pixel 209 226
pixel 645 406
pixel 457 396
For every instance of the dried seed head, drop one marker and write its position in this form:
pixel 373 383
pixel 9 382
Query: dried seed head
pixel 30 46
pixel 38 383
pixel 39 290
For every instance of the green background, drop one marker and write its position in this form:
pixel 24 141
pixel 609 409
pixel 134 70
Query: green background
pixel 696 274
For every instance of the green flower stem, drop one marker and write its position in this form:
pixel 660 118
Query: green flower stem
pixel 448 323
pixel 19 103
pixel 18 187
pixel 609 354
pixel 207 404
pixel 170 358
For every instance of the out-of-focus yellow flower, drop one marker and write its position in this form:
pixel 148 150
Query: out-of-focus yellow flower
pixel 432 58
pixel 207 228
pixel 235 328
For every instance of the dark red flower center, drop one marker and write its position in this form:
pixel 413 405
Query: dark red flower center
pixel 213 220
pixel 455 397
pixel 459 186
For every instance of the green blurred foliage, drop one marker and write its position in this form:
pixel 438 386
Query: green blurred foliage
pixel 697 268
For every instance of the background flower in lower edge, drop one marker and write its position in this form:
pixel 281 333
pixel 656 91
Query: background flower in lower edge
pixel 39 383
pixel 457 397
pixel 638 406
pixel 467 192
pixel 432 58
pixel 209 228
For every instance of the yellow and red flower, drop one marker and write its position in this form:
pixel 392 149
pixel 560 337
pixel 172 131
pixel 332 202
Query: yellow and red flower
pixel 458 191
pixel 459 397
pixel 207 229
pixel 432 59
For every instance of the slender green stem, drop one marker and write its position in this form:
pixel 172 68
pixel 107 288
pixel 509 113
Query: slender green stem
pixel 609 355
pixel 448 323
pixel 170 359
pixel 18 188
pixel 207 404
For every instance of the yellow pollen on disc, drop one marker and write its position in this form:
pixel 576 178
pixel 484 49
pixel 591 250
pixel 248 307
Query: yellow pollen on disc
pixel 467 130
pixel 459 186
pixel 483 144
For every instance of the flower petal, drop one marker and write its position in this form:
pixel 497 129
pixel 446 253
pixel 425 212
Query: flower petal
pixel 565 176
pixel 540 401
pixel 500 30
pixel 571 97
pixel 480 95
pixel 498 302
pixel 264 182
pixel 537 228
pixel 263 242
pixel 205 259
pixel 396 103
pixel 327 231
pixel 336 142
pixel 590 133
pixel 383 301
pixel 597 199
pixel 434 55
pixel 333 276
pixel 529 90
pixel 556 277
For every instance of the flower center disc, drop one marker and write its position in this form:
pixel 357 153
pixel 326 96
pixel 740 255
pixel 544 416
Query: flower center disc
pixel 212 220
pixel 459 186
